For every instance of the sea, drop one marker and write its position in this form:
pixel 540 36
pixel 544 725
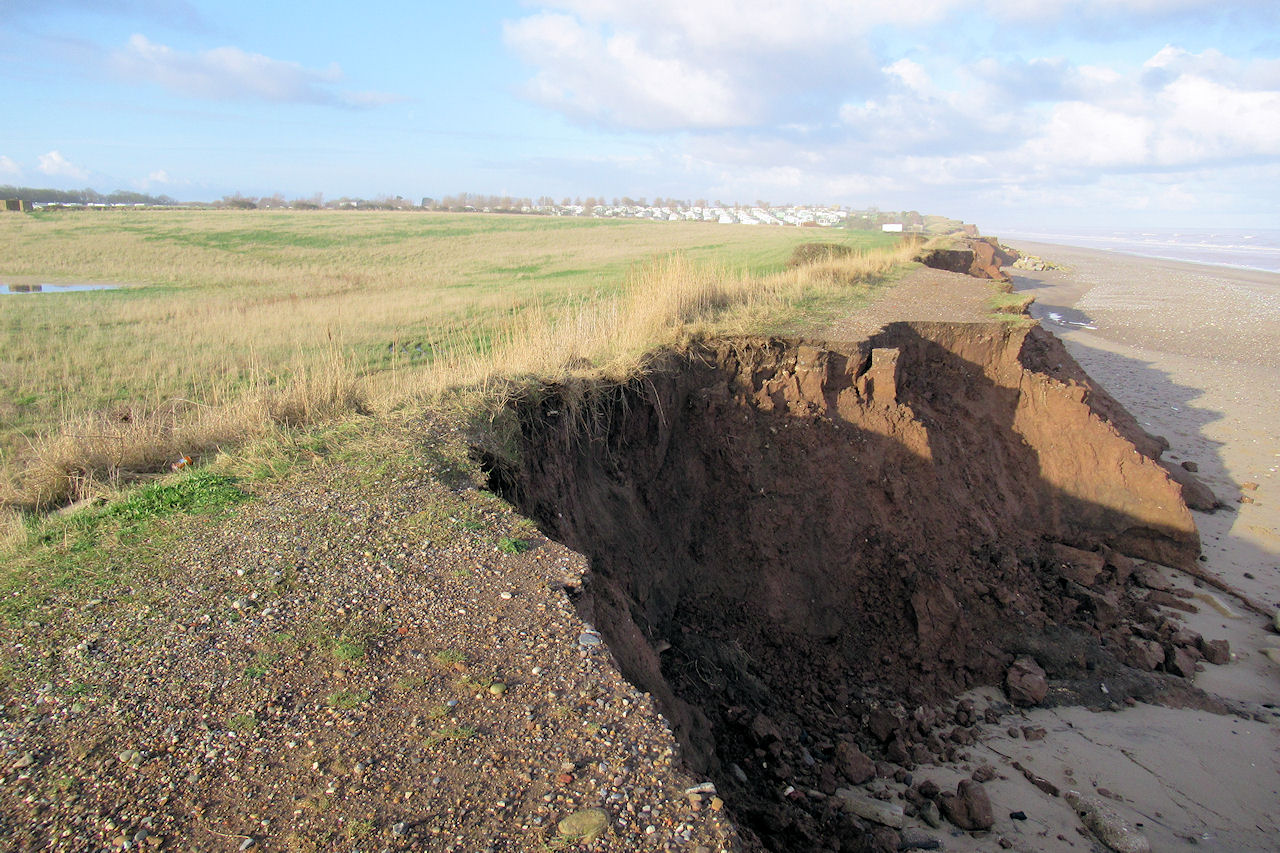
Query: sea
pixel 1256 248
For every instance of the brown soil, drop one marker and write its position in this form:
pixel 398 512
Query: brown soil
pixel 793 546
pixel 353 661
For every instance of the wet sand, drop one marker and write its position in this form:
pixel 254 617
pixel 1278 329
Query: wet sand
pixel 1193 352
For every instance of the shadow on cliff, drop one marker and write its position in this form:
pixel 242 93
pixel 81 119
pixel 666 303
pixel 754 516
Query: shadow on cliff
pixel 793 545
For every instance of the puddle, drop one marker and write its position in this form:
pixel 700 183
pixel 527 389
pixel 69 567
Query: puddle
pixel 53 288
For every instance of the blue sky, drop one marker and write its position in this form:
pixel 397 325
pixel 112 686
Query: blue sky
pixel 1012 113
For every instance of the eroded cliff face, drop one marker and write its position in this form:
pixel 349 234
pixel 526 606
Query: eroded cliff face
pixel 980 257
pixel 804 533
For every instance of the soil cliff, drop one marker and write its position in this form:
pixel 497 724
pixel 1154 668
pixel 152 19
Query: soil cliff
pixel 786 536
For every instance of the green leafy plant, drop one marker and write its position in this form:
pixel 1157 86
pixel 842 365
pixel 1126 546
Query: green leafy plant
pixel 348 699
pixel 508 545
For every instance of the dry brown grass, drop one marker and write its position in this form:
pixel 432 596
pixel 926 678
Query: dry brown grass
pixel 102 451
pixel 665 303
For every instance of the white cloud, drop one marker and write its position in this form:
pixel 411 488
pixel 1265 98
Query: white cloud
pixel 8 166
pixel 670 64
pixel 54 164
pixel 645 89
pixel 226 73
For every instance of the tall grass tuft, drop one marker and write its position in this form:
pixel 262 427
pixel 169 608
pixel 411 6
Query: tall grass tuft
pixel 105 450
pixel 665 303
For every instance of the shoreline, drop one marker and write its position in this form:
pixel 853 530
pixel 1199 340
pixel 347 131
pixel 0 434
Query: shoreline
pixel 1191 351
pixel 1176 254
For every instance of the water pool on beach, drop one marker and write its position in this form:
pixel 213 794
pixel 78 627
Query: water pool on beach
pixel 19 289
pixel 1254 248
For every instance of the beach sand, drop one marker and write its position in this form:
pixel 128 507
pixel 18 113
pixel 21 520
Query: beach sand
pixel 1194 353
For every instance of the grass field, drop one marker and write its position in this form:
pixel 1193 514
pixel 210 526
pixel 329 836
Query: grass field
pixel 228 319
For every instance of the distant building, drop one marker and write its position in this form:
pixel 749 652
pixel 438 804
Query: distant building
pixel 17 205
pixel 895 227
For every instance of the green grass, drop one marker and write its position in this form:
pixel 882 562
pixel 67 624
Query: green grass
pixel 242 723
pixel 508 545
pixel 217 301
pixel 99 549
pixel 347 699
pixel 260 665
pixel 450 656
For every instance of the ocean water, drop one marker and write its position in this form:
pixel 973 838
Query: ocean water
pixel 1257 248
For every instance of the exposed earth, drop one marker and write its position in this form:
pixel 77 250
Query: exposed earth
pixel 798 557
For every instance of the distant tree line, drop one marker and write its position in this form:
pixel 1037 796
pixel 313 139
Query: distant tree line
pixel 870 219
pixel 84 196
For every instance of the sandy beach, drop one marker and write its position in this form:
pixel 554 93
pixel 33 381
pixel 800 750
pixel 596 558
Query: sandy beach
pixel 1192 351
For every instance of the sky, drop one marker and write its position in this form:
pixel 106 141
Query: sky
pixel 1014 113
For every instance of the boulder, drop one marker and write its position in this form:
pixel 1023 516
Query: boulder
pixel 980 257
pixel 869 808
pixel 969 807
pixel 854 763
pixel 1145 654
pixel 1083 567
pixel 1217 652
pixel 1025 682
pixel 1195 494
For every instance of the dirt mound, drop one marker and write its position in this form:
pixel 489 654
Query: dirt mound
pixel 790 541
pixel 980 257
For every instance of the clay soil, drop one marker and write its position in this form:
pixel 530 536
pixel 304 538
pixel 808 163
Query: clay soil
pixel 805 552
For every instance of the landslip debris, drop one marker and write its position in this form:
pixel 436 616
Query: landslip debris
pixel 803 551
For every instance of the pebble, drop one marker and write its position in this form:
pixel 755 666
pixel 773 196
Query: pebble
pixel 588 639
pixel 584 825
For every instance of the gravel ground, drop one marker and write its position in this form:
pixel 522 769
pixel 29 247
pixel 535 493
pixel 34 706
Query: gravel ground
pixel 352 661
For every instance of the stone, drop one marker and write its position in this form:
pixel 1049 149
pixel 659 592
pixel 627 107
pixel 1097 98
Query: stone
pixel 1109 827
pixel 985 773
pixel 27 760
pixel 1149 576
pixel 883 724
pixel 929 814
pixel 1217 652
pixel 584 825
pixel 1025 682
pixel 969 807
pixel 1195 494
pixel 1190 466
pixel 1251 487
pixel 1145 654
pixel 1040 782
pixel 854 763
pixel 917 839
pixel 765 731
pixel 1122 565
pixel 1083 567
pixel 868 808
pixel 1165 599
pixel 1182 663
pixel 885 840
